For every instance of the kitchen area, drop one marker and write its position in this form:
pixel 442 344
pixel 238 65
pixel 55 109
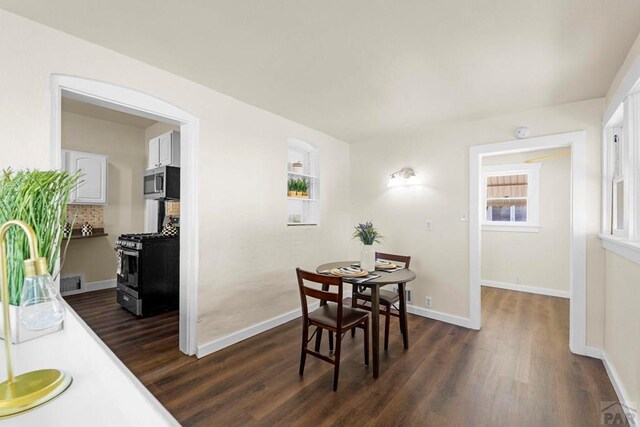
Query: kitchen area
pixel 120 268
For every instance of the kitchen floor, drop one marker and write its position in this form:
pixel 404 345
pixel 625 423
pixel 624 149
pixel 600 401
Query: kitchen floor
pixel 517 371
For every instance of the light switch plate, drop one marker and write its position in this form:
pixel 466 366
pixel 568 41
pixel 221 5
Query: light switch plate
pixel 429 225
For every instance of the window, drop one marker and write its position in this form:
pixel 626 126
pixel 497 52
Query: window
pixel 510 196
pixel 621 175
pixel 618 227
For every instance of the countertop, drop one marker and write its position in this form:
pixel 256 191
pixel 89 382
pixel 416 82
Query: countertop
pixel 103 392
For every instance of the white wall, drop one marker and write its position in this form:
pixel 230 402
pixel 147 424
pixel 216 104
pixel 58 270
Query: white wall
pixel 247 253
pixel 538 259
pixel 440 155
pixel 622 323
pixel 124 212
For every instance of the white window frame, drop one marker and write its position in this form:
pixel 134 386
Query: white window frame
pixel 618 157
pixel 532 170
pixel 625 123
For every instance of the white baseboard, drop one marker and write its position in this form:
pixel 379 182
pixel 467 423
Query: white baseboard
pixel 94 286
pixel 525 288
pixel 618 386
pixel 437 315
pixel 241 335
pixel 594 352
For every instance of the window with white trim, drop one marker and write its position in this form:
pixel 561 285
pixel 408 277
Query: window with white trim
pixel 618 226
pixel 511 196
pixel 621 177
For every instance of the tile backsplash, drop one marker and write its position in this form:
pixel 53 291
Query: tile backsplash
pixel 93 214
pixel 173 208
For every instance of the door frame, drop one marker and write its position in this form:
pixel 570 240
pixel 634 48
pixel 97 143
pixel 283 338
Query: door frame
pixel 134 102
pixel 577 143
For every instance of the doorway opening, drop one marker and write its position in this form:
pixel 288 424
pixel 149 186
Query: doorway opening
pixel 575 143
pixel 156 116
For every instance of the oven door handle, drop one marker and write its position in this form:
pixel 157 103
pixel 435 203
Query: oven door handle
pixel 130 253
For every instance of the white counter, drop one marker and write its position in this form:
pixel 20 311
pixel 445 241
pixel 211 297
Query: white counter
pixel 103 392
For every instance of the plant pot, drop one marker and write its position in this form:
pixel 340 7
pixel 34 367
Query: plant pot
pixel 298 193
pixel 19 333
pixel 305 194
pixel 297 169
pixel 368 258
pixel 291 193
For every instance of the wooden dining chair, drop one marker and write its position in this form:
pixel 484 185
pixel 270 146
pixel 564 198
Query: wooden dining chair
pixel 387 298
pixel 332 315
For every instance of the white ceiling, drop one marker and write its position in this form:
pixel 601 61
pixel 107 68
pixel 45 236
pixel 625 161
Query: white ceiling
pixel 359 69
pixel 97 112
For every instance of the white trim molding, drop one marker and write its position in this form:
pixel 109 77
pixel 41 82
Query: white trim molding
pixel 511 228
pixel 438 315
pixel 618 386
pixel 527 289
pixel 133 102
pixel 92 286
pixel 594 352
pixel 577 141
pixel 622 247
pixel 243 334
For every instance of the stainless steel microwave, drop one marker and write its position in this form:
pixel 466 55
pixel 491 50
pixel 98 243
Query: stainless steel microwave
pixel 162 183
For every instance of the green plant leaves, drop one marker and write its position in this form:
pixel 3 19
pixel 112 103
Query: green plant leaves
pixel 367 233
pixel 38 198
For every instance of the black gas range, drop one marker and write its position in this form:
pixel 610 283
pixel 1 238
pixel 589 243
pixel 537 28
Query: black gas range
pixel 148 272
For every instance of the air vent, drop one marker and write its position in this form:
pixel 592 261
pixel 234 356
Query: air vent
pixel 70 284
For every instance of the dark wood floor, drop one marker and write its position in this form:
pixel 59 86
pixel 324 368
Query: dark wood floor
pixel 517 371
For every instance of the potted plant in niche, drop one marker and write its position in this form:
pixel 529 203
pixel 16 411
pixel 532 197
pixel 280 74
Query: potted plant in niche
pixel 304 188
pixel 368 235
pixel 38 198
pixel 291 187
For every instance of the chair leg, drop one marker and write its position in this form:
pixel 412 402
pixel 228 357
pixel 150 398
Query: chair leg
pixel 330 341
pixel 336 355
pixel 318 338
pixel 387 319
pixel 366 342
pixel 303 353
pixel 354 303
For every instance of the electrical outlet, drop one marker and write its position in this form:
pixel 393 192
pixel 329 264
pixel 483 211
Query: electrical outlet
pixel 464 216
pixel 429 225
pixel 427 302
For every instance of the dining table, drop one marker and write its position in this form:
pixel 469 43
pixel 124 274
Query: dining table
pixel 400 277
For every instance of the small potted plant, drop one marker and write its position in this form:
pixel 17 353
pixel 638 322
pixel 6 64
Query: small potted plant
pixel 291 187
pixel 296 167
pixel 368 235
pixel 304 188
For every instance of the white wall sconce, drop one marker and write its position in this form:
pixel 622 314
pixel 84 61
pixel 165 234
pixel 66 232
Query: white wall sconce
pixel 405 176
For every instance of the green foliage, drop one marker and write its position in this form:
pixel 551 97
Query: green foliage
pixel 38 198
pixel 367 233
pixel 304 185
pixel 298 185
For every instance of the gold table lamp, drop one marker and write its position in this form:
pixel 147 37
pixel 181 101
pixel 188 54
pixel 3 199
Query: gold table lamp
pixel 27 391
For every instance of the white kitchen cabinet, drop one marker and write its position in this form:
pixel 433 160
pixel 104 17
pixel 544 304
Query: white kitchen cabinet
pixel 164 150
pixel 93 184
pixel 154 153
